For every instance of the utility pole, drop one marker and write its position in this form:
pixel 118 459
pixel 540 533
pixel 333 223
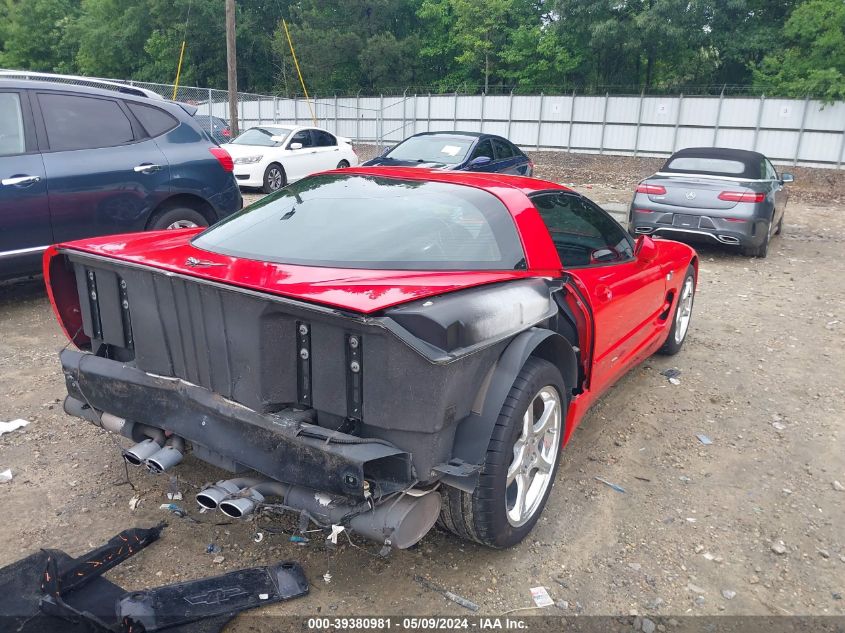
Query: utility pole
pixel 231 67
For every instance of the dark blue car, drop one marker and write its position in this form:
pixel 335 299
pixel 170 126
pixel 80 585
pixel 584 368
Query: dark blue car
pixel 467 151
pixel 78 162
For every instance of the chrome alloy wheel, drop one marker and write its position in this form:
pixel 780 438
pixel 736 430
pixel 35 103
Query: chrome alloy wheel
pixel 182 224
pixel 534 453
pixel 274 178
pixel 684 312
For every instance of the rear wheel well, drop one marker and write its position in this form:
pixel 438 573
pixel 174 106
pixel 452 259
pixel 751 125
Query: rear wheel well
pixel 559 352
pixel 184 200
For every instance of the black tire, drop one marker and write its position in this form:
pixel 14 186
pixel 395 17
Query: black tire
pixel 177 217
pixel 274 178
pixel 343 164
pixel 779 228
pixel 758 251
pixel 672 346
pixel 482 515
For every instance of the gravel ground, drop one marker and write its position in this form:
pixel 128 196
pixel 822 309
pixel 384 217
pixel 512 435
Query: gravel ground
pixel 750 524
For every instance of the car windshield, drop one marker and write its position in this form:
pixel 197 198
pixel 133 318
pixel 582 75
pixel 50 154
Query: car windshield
pixel 261 136
pixel 359 221
pixel 447 150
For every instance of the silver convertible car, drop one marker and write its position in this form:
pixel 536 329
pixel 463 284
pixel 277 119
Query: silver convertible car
pixel 730 196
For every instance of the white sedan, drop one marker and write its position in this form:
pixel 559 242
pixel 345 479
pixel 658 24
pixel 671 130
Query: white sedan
pixel 271 156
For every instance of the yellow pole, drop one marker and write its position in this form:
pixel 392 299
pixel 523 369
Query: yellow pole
pixel 179 70
pixel 299 72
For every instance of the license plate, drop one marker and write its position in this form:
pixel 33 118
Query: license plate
pixel 687 221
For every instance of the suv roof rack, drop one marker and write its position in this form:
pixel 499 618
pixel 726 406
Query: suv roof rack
pixel 93 82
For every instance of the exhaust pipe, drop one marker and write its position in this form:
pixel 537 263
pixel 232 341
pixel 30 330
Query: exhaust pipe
pixel 141 451
pixel 104 420
pixel 167 457
pixel 401 520
pixel 210 497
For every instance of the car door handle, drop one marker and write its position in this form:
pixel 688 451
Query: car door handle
pixel 20 181
pixel 146 168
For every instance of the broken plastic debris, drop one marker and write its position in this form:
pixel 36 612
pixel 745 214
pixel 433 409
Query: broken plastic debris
pixel 6 475
pixel 172 507
pixel 336 530
pixel 611 485
pixel 258 537
pixel 263 596
pixel 134 502
pixel 541 597
pixel 302 539
pixel 704 439
pixel 8 427
pixel 461 601
pixel 213 548
pixel 327 577
pixel 672 374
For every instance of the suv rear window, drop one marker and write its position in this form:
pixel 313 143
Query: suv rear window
pixel 155 120
pixel 353 221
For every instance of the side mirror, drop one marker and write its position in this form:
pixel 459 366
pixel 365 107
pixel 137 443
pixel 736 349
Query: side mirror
pixel 479 161
pixel 295 146
pixel 787 177
pixel 645 249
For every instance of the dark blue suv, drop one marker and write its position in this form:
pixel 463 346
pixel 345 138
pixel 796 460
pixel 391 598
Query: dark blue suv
pixel 78 162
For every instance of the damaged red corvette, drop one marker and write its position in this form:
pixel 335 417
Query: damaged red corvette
pixel 379 348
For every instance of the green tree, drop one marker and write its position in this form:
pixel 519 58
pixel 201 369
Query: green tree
pixel 812 61
pixel 35 35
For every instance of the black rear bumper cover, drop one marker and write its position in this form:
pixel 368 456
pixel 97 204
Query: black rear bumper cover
pixel 270 444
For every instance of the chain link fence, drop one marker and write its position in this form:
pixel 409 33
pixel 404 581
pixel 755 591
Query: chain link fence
pixel 789 131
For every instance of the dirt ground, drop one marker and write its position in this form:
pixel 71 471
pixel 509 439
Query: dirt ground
pixel 751 524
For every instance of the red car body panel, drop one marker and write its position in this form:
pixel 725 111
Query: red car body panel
pixel 625 319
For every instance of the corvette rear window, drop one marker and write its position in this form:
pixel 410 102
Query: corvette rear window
pixel 356 221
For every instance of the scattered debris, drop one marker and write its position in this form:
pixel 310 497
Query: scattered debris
pixel 708 556
pixel 647 626
pixel 563 605
pixel 728 594
pixel 134 502
pixel 838 486
pixel 642 478
pixel 468 604
pixel 301 540
pixel 258 537
pixel 704 439
pixel 173 492
pixel 541 597
pixel 173 508
pixel 695 588
pixel 836 595
pixel 672 375
pixel 213 548
pixel 779 548
pixel 823 553
pixel 6 476
pixel 218 559
pixel 609 484
pixel 8 427
pixel 336 530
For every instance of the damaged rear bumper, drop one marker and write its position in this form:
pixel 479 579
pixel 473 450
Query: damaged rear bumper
pixel 274 445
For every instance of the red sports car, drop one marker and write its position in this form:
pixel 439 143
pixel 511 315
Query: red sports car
pixel 375 348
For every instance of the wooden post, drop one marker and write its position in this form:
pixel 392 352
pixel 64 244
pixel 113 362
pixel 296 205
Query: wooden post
pixel 231 67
